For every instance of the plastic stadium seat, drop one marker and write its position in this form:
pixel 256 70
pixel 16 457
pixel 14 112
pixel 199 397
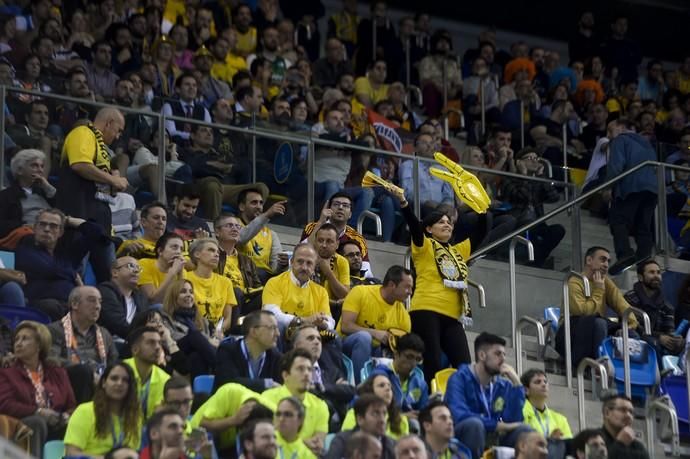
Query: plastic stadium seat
pixel 440 381
pixel 350 369
pixel 7 259
pixel 327 442
pixel 54 449
pixel 89 275
pixel 370 364
pixel 15 314
pixel 553 315
pixel 203 384
pixel 676 387
pixel 644 375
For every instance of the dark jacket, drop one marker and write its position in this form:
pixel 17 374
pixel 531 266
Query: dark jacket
pixel 528 197
pixel 617 450
pixel 114 308
pixel 17 393
pixel 660 313
pixel 333 369
pixel 232 366
pixel 626 151
pixel 339 443
pixel 11 214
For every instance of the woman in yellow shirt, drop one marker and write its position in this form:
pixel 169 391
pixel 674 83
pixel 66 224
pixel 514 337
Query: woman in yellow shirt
pixel 289 418
pixel 440 306
pixel 111 420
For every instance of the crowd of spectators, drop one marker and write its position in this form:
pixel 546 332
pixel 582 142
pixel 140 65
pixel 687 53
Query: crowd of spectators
pixel 306 342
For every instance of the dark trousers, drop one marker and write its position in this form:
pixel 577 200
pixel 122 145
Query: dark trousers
pixel 201 355
pixel 545 238
pixel 441 334
pixel 633 215
pixel 586 334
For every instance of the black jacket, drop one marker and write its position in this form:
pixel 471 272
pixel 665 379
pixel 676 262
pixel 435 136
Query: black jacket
pixel 114 308
pixel 333 369
pixel 11 214
pixel 617 450
pixel 232 366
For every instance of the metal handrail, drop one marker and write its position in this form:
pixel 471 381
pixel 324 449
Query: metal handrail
pixel 480 291
pixel 662 404
pixel 418 93
pixel 377 220
pixel 566 321
pixel 588 362
pixel 513 282
pixel 549 168
pixel 626 351
pixel 521 325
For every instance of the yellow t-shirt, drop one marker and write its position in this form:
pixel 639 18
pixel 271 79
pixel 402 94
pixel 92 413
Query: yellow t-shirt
pixel 546 422
pixel 246 42
pixel 350 423
pixel 81 432
pixel 315 410
pixel 430 294
pixel 363 86
pixel 225 403
pixel 151 394
pixel 373 312
pixel 212 294
pixel 149 250
pixel 683 83
pixel 341 269
pixel 259 249
pixel 305 301
pixel 81 147
pixel 295 450
pixel 232 271
pixel 150 274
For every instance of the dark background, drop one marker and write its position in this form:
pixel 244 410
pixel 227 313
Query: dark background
pixel 661 28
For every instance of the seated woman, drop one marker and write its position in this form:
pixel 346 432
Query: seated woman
pixel 289 418
pixel 172 359
pixel 213 292
pixel 188 328
pixel 34 390
pixel 111 420
pixel 157 274
pixel 378 384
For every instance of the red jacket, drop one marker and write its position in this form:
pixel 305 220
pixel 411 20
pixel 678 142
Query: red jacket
pixel 17 396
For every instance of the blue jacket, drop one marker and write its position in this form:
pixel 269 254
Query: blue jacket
pixel 463 396
pixel 417 394
pixel 625 151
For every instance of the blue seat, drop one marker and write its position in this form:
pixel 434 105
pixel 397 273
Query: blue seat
pixel 327 442
pixel 54 449
pixel 350 369
pixel 644 372
pixel 15 314
pixel 89 275
pixel 203 384
pixel 676 387
pixel 7 259
pixel 370 364
pixel 553 315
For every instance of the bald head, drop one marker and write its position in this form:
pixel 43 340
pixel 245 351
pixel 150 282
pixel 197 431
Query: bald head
pixel 110 122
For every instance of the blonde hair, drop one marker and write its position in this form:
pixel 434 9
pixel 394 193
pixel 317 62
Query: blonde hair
pixel 170 301
pixel 199 244
pixel 42 333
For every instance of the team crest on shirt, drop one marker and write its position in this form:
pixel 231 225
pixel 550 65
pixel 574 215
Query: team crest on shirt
pixel 499 403
pixel 257 248
pixel 300 305
pixel 382 318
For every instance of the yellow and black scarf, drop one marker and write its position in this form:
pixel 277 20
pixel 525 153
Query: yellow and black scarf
pixel 451 266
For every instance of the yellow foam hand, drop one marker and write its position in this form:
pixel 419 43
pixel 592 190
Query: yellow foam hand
pixel 466 185
pixel 371 180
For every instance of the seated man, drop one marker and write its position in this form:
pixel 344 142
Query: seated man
pixel 258 440
pixel 158 273
pixel 352 252
pixel 292 294
pixel 437 430
pixel 122 299
pixel 617 431
pixel 227 411
pixel 486 397
pixel 648 296
pixel 329 375
pixel 28 193
pixel 184 106
pixel 252 361
pixel 589 444
pixel 33 134
pixel 154 217
pixel 145 343
pixel 588 326
pixel 410 390
pixel 549 423
pixel 531 445
pixel 166 435
pixel 371 414
pixel 370 311
pixel 337 212
pixel 296 369
pixel 50 258
pixel 332 269
pixel 79 342
pixel 183 219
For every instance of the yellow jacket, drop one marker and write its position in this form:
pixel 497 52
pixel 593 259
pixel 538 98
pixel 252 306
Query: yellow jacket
pixel 610 296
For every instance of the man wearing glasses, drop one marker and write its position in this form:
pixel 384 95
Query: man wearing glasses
pixel 617 431
pixel 122 299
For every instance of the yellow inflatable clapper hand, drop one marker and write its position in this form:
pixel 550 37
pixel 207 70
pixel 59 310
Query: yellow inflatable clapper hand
pixel 466 185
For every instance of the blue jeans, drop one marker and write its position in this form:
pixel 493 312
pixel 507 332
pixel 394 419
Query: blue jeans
pixel 471 433
pixel 11 293
pixel 358 346
pixel 387 207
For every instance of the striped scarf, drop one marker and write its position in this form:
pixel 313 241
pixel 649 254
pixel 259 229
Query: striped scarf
pixel 71 341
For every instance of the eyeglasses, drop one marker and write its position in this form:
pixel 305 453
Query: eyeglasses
pixel 531 158
pixel 408 356
pixel 231 225
pixel 131 266
pixel 179 403
pixel 269 327
pixel 353 254
pixel 50 225
pixel 341 205
pixel 285 414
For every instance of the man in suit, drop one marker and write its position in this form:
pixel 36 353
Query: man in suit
pixel 329 377
pixel 252 361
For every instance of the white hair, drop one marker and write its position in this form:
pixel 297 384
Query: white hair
pixel 23 158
